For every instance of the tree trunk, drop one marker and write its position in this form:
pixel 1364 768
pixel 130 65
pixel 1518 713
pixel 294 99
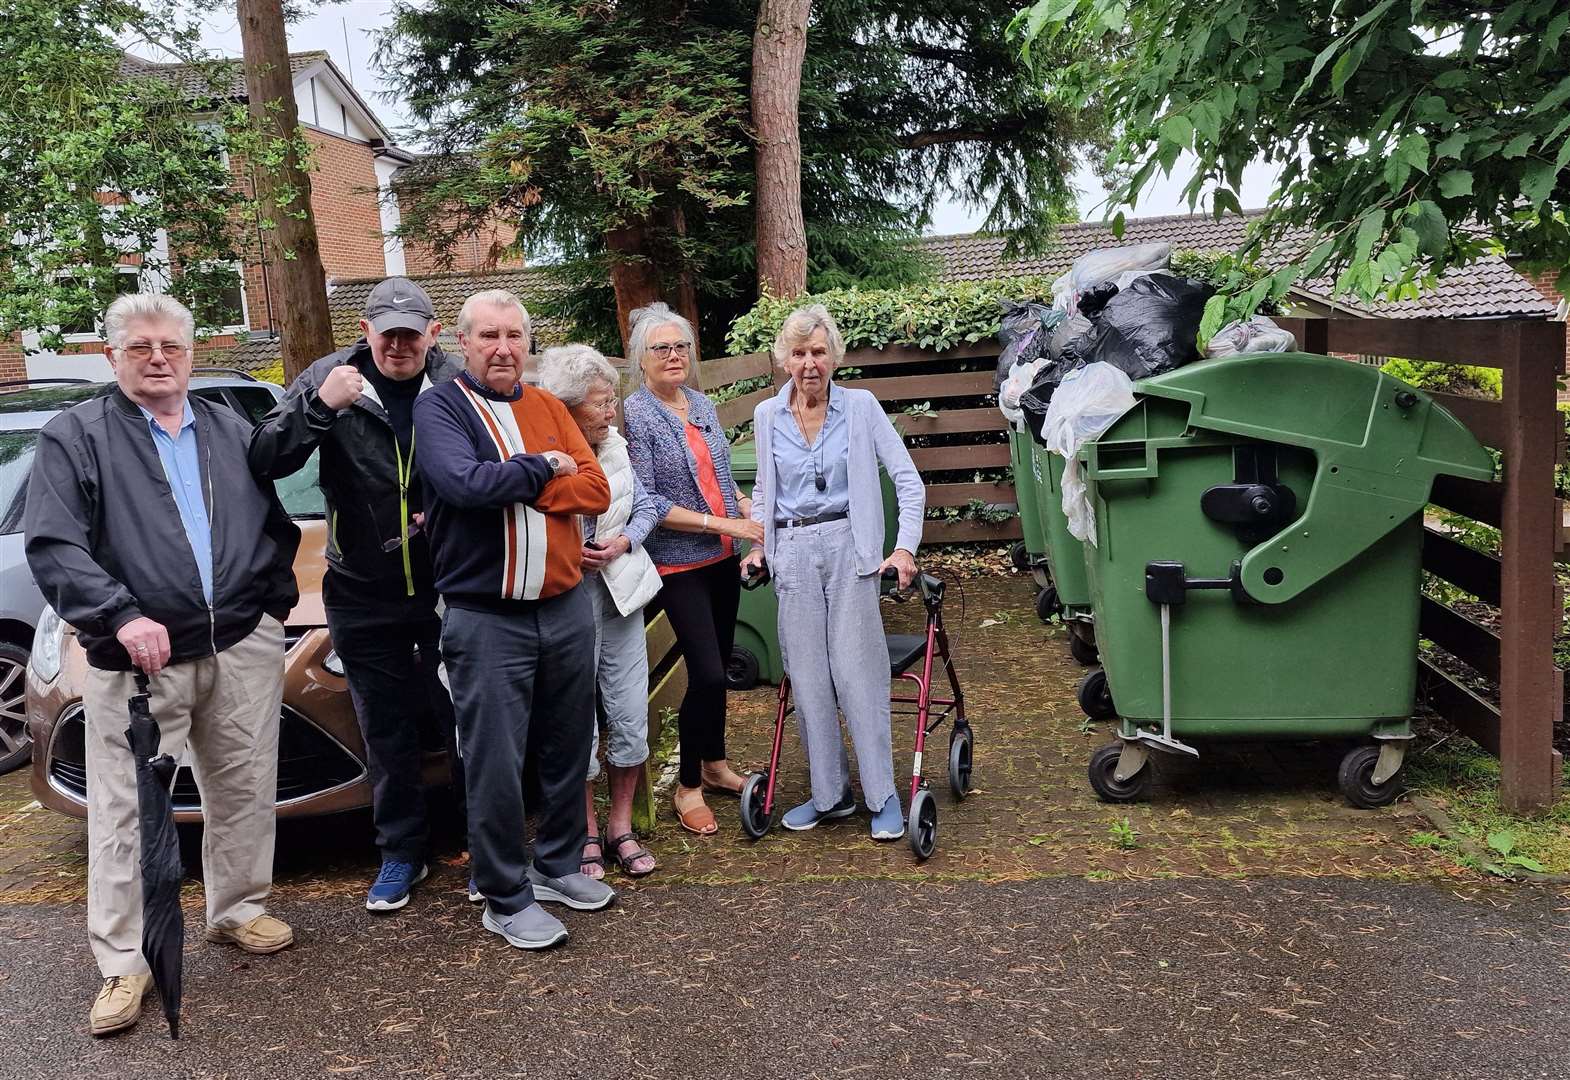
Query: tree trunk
pixel 637 282
pixel 284 191
pixel 778 47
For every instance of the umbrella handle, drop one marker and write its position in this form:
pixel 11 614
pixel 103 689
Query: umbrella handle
pixel 141 682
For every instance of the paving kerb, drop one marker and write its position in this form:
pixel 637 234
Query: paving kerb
pixel 1238 812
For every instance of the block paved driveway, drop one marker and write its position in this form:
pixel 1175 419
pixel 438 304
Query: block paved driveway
pixel 1256 927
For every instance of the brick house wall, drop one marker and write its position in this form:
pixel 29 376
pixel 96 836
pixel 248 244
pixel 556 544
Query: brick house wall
pixel 1543 281
pixel 471 253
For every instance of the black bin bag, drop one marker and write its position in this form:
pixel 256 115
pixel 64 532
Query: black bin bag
pixel 1149 327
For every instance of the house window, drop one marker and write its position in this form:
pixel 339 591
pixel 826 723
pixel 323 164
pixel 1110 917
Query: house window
pixel 223 310
pixel 88 325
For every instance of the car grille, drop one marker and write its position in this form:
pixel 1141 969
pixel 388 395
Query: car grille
pixel 309 761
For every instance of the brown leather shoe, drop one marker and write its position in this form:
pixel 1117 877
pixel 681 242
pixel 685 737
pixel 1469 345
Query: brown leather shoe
pixel 118 1004
pixel 263 934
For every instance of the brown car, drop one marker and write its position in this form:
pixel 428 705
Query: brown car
pixel 321 755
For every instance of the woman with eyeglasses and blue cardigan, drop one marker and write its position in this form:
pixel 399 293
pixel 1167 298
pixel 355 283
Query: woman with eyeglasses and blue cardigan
pixel 820 504
pixel 680 456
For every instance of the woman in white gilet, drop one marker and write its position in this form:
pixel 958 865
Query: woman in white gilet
pixel 620 579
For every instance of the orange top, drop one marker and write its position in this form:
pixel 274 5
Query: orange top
pixel 709 484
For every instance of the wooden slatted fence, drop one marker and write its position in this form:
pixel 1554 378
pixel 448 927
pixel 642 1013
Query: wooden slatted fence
pixel 928 376
pixel 1527 429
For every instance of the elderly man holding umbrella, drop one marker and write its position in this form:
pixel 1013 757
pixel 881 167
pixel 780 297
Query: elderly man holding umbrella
pixel 147 532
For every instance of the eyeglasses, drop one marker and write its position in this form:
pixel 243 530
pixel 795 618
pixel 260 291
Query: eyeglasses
pixel 664 349
pixel 172 350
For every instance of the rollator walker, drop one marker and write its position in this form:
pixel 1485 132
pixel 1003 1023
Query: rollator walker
pixel 931 650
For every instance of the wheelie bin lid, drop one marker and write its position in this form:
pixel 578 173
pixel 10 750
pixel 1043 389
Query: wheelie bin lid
pixel 1379 444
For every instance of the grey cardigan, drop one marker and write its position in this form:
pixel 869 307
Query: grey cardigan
pixel 663 464
pixel 873 441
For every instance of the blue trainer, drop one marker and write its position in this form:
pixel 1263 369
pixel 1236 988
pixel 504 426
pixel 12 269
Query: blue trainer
pixel 807 816
pixel 889 823
pixel 391 888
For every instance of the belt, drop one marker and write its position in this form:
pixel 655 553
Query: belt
pixel 796 523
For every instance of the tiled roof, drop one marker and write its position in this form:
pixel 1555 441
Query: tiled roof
pixel 346 303
pixel 192 80
pixel 1489 287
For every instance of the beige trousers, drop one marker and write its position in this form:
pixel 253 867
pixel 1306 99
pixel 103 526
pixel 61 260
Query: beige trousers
pixel 220 715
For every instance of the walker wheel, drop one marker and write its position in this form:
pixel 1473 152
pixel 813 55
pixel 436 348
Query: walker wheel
pixel 962 746
pixel 923 826
pixel 1047 604
pixel 754 822
pixel 1104 781
pixel 1356 778
pixel 1084 652
pixel 1095 696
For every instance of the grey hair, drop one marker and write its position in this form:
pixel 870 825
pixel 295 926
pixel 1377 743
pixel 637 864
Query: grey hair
pixel 801 324
pixel 137 307
pixel 641 324
pixel 568 371
pixel 492 298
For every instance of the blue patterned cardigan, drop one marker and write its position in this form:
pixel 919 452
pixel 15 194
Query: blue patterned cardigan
pixel 660 457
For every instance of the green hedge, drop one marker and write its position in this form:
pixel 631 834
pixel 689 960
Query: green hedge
pixel 941 316
pixel 938 316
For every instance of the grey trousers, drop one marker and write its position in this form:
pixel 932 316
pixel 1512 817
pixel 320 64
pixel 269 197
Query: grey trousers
pixel 831 636
pixel 221 714
pixel 621 664
pixel 522 687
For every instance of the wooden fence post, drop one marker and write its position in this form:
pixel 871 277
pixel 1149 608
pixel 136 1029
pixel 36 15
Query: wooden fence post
pixel 1530 688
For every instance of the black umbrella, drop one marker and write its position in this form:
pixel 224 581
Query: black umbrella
pixel 163 924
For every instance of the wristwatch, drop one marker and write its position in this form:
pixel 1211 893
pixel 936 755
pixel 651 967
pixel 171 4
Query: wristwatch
pixel 550 460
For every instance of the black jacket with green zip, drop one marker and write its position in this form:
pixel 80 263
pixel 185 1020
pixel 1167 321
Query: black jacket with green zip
pixel 359 472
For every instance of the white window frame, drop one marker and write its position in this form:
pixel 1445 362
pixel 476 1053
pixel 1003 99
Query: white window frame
pixel 97 333
pixel 244 325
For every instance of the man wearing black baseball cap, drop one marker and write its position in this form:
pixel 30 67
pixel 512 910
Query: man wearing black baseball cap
pixel 357 407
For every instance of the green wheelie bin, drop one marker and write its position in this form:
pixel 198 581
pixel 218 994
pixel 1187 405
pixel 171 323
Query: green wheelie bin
pixel 755 657
pixel 1069 593
pixel 1257 570
pixel 1028 555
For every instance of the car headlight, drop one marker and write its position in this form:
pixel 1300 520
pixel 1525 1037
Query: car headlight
pixel 333 663
pixel 48 643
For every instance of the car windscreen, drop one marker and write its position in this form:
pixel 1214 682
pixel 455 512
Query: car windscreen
pixel 299 493
pixel 16 461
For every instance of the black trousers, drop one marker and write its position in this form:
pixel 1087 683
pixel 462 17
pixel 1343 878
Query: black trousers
pixel 701 605
pixel 390 650
pixel 523 687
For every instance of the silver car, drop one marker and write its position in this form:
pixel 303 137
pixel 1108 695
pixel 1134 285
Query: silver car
pixel 25 407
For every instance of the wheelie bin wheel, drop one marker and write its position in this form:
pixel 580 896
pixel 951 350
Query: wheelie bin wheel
pixel 754 822
pixel 742 671
pixel 1019 556
pixel 923 825
pixel 1104 781
pixel 1356 778
pixel 1095 697
pixel 962 746
pixel 1047 604
pixel 1084 652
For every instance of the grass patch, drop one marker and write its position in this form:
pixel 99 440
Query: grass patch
pixel 1465 780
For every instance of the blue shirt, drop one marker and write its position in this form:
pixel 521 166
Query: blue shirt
pixel 184 473
pixel 797 465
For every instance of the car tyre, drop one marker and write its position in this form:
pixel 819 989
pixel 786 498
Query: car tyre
pixel 16 745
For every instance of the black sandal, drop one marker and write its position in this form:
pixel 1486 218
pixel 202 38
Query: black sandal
pixel 598 860
pixel 625 862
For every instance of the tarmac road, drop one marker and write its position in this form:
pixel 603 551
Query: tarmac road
pixel 1058 977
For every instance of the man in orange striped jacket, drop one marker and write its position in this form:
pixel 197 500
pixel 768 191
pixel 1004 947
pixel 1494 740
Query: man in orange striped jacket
pixel 506 471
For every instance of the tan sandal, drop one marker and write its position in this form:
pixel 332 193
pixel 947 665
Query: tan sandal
pixel 720 779
pixel 696 817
